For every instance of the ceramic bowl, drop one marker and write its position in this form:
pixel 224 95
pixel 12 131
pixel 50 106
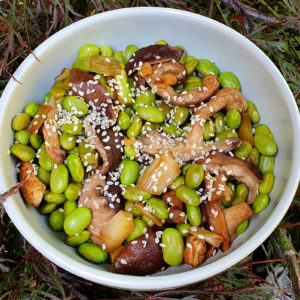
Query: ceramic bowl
pixel 202 37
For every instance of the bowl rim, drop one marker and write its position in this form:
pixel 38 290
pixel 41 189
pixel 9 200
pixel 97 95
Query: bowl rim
pixel 130 282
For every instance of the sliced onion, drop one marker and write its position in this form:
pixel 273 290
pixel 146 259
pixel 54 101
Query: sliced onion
pixel 139 206
pixel 245 129
pixel 206 235
pixel 107 65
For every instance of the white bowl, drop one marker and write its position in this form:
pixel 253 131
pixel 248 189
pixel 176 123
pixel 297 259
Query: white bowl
pixel 261 83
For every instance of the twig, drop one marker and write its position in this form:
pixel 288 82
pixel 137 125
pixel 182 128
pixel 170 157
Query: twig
pixel 13 190
pixel 288 225
pixel 210 8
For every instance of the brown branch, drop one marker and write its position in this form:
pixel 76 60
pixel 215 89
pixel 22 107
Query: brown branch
pixel 289 225
pixel 13 190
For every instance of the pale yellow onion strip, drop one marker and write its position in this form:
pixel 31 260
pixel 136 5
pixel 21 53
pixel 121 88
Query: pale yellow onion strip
pixel 206 235
pixel 107 65
pixel 157 221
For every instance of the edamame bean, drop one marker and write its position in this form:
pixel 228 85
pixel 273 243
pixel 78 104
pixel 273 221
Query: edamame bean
pixel 192 79
pixel 50 197
pixel 192 86
pixel 266 186
pixel 132 193
pixel 129 206
pixel 146 98
pixel 79 63
pixel 193 214
pixel 190 65
pixel 122 84
pixel 260 203
pixel 124 120
pixel 165 108
pixel 180 114
pixel 217 114
pixel 262 129
pixel 119 57
pixel 135 128
pixel 88 50
pixel 178 181
pixel 88 155
pixel 93 253
pixel 265 145
pixel 106 50
pixel 75 167
pixel 77 220
pixel 148 127
pixel 21 121
pixel 59 179
pixel 56 219
pixel 22 137
pixel 57 91
pixel 67 141
pixel 139 226
pixel 188 195
pixel 209 130
pixel 73 190
pixel 149 222
pixel 47 98
pixel 130 151
pixel 226 134
pixel 36 141
pixel 23 152
pixel 266 164
pixel 206 67
pixel 129 50
pixel 243 151
pixel 184 168
pixel 159 207
pixel 69 206
pixel 76 240
pixel 47 208
pixel 44 175
pixel 151 114
pixel 161 42
pixel 219 124
pixel 253 112
pixel 183 56
pixel 183 228
pixel 45 160
pixel 194 176
pixel 233 118
pixel 32 108
pixel 172 130
pixel 130 172
pixel 174 246
pixel 229 80
pixel 242 227
pixel 129 111
pixel 254 157
pixel 76 106
pixel 73 128
pixel 241 194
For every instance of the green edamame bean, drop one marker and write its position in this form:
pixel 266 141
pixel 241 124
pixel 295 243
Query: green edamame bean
pixel 135 128
pixel 47 208
pixel 44 175
pixel 266 164
pixel 59 179
pixel 31 109
pixel 146 98
pixel 22 137
pixel 183 228
pixel 219 124
pixel 254 157
pixel 139 226
pixel 72 191
pixel 77 220
pixel 217 114
pixel 119 57
pixel 124 120
pixel 229 80
pixel 192 86
pixel 148 221
pixel 67 141
pixel 174 246
pixel 184 168
pixel 79 63
pixel 23 152
pixel 227 203
pixel 88 155
pixel 88 50
pixel 266 186
pixel 130 151
pixel 45 160
pixel 50 197
pixel 242 227
pixel 209 130
pixel 36 141
pixel 47 98
pixel 180 114
pixel 192 79
pixel 56 219
pixel 151 114
pixel 226 134
pixel 122 82
pixel 73 128
pixel 75 167
pixel 106 50
pixel 183 56
pixel 129 111
pixel 76 106
pixel 243 151
pixel 262 129
pixel 93 253
pixel 190 65
pixel 132 193
pixel 206 67
pixel 129 206
pixel 130 172
pixel 75 150
pixel 265 145
pixel 241 194
pixel 57 91
pixel 172 130
pixel 129 50
pixel 188 195
pixel 69 206
pixel 253 112
pixel 178 181
pixel 233 118
pixel 159 207
pixel 21 121
pixel 76 240
pixel 161 42
pixel 194 176
pixel 260 203
pixel 193 214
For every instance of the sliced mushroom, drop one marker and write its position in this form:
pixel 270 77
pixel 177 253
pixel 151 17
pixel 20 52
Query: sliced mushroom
pixel 235 215
pixel 194 250
pixel 32 189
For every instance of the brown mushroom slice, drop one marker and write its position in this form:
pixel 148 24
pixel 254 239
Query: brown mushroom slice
pixel 194 251
pixel 39 119
pixel 235 215
pixel 236 167
pixel 32 189
pixel 142 256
